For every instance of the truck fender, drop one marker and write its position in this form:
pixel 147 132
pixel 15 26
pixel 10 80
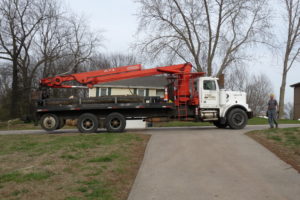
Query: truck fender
pixel 224 111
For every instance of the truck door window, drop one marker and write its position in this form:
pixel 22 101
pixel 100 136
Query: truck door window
pixel 209 85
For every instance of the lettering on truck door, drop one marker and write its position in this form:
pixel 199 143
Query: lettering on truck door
pixel 209 94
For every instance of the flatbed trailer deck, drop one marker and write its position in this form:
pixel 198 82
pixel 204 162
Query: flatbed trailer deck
pixel 52 113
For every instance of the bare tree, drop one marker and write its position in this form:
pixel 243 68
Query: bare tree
pixel 289 110
pixel 50 42
pixel 258 90
pixel 5 91
pixel 237 78
pixel 292 49
pixel 258 87
pixel 211 34
pixel 119 59
pixel 104 61
pixel 19 21
pixel 39 39
pixel 5 80
pixel 81 42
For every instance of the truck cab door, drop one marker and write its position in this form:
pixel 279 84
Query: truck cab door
pixel 209 93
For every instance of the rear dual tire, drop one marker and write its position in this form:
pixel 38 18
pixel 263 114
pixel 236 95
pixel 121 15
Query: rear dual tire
pixel 88 123
pixel 115 122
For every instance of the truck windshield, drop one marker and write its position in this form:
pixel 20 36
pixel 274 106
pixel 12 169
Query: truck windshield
pixel 209 85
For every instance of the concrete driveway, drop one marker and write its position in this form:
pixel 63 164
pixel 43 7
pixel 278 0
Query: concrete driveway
pixel 208 164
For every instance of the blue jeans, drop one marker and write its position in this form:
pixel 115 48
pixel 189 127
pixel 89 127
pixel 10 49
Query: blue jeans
pixel 272 116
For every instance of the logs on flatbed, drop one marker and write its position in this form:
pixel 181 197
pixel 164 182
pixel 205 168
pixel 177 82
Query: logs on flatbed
pixel 97 100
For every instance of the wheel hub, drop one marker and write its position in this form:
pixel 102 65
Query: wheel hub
pixel 238 119
pixel 49 122
pixel 87 124
pixel 115 123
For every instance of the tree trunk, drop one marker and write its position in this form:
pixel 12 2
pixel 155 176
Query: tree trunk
pixel 282 89
pixel 14 105
pixel 209 67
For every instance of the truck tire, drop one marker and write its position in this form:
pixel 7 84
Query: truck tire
pixel 62 123
pixel 237 118
pixel 218 124
pixel 87 123
pixel 115 122
pixel 49 122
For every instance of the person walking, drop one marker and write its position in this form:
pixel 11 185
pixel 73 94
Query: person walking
pixel 272 111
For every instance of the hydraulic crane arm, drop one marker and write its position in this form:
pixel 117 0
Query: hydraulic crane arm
pixel 89 79
pixel 86 78
pixel 114 74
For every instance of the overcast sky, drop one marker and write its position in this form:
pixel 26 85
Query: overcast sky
pixel 118 21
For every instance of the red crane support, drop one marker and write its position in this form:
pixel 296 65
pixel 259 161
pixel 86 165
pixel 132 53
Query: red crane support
pixel 182 71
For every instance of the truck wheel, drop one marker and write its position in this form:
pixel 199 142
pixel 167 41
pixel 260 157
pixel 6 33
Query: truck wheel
pixel 237 119
pixel 49 122
pixel 62 123
pixel 219 125
pixel 87 123
pixel 115 122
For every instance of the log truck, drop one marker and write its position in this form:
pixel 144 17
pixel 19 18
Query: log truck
pixel 188 96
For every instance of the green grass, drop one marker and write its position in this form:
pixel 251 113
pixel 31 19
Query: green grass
pixel 285 143
pixel 20 177
pixel 17 125
pixel 18 192
pixel 108 158
pixel 51 143
pixel 253 121
pixel 69 156
pixel 76 166
pixel 20 125
pixel 288 137
pixel 95 189
pixel 261 121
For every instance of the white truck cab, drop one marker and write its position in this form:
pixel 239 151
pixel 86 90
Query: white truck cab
pixel 220 106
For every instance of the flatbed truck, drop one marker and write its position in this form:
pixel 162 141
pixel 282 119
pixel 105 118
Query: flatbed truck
pixel 189 96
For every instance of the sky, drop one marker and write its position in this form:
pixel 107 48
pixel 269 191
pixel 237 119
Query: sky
pixel 118 23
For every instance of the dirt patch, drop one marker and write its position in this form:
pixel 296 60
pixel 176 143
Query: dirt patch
pixel 282 142
pixel 73 166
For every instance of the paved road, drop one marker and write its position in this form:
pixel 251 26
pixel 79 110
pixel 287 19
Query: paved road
pixel 210 164
pixel 205 163
pixel 153 130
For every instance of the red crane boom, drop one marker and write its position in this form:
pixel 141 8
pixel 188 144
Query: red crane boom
pixel 89 79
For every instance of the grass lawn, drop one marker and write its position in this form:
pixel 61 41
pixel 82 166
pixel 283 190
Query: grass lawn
pixel 253 121
pixel 69 166
pixel 285 143
pixel 20 125
pixel 259 121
